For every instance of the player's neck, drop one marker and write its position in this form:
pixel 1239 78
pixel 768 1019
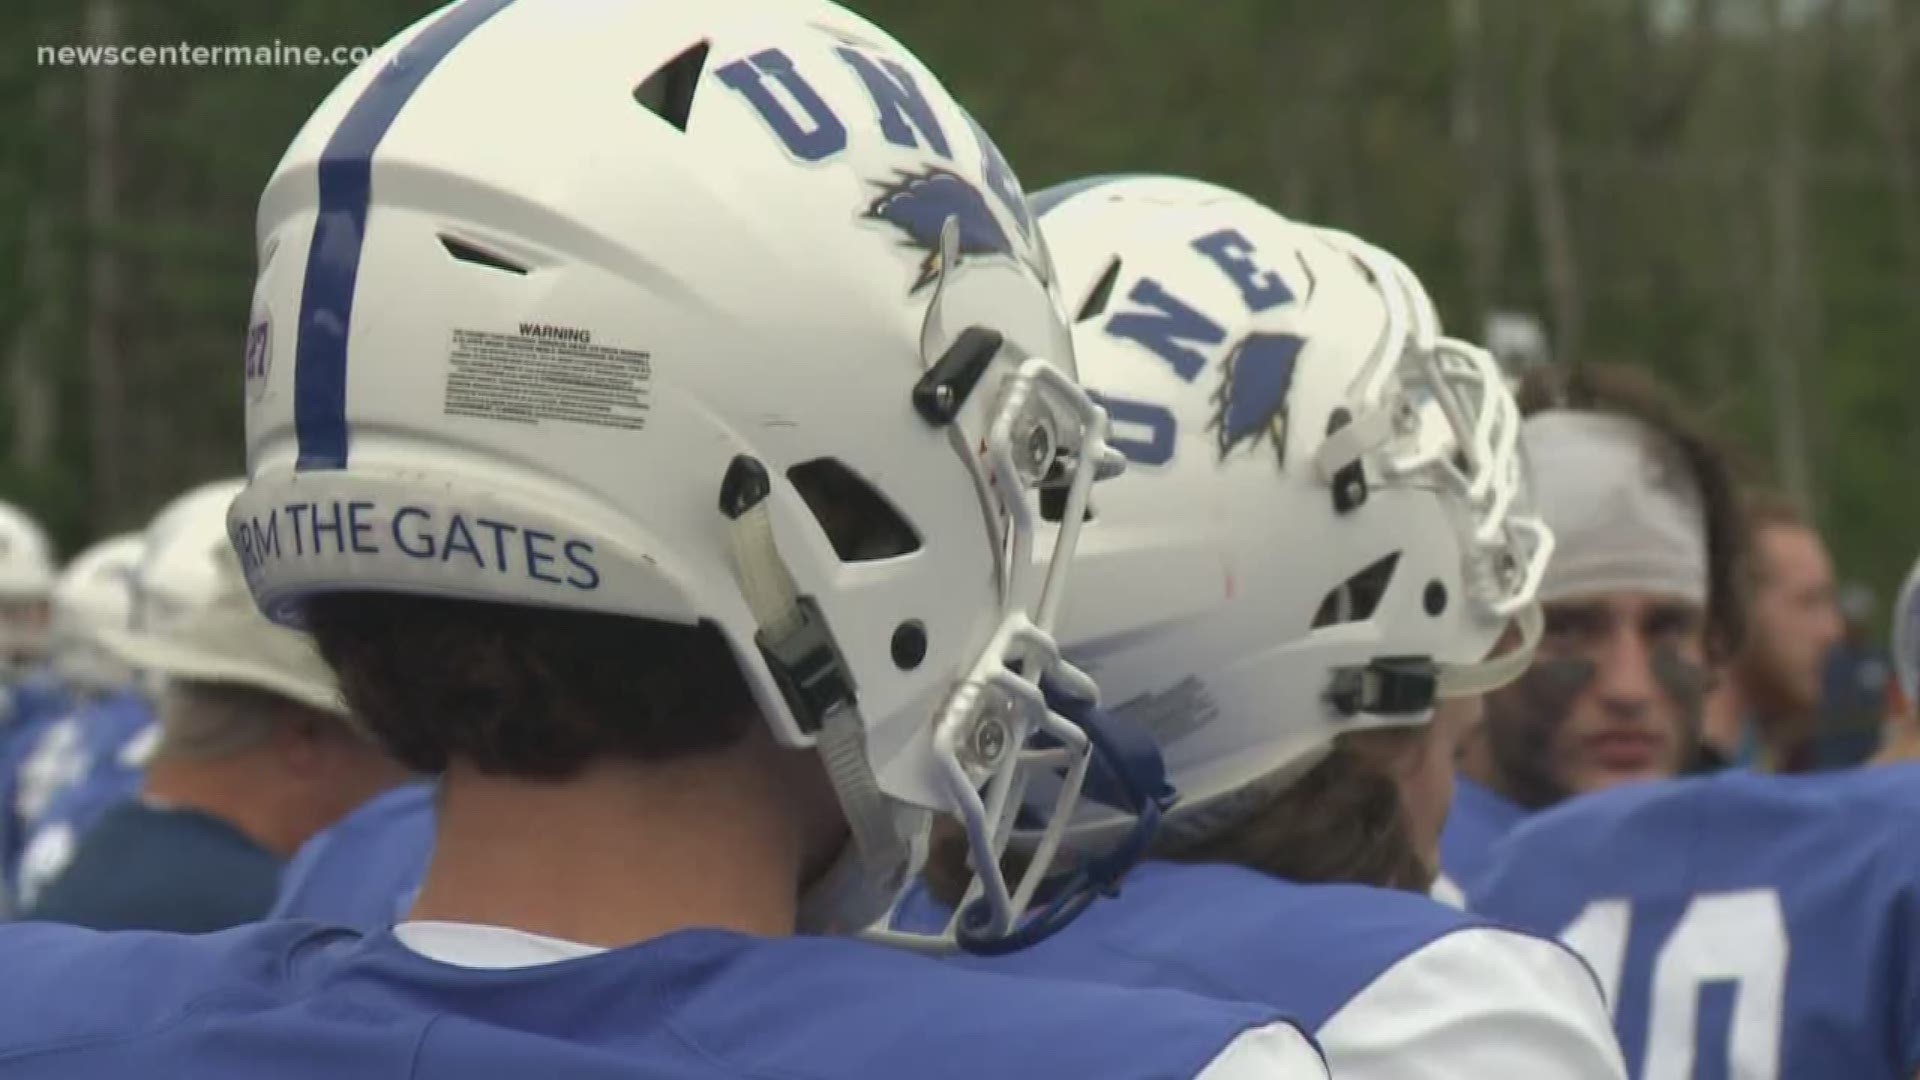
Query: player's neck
pixel 1724 717
pixel 235 790
pixel 621 854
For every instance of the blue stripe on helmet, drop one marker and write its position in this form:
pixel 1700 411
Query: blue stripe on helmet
pixel 333 259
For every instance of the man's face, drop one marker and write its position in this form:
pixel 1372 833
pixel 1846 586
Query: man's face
pixel 23 628
pixel 1795 621
pixel 1613 695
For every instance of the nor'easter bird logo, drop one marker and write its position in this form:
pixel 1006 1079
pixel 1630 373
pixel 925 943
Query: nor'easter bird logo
pixel 1251 403
pixel 919 203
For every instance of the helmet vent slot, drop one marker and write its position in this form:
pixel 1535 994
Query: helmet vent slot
pixel 668 92
pixel 467 252
pixel 859 522
pixel 1096 301
pixel 1357 598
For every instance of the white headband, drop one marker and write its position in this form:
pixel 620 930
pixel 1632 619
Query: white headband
pixel 1625 511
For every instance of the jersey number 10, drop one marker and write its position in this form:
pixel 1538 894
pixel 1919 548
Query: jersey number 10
pixel 1737 938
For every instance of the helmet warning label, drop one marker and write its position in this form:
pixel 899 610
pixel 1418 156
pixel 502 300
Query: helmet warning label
pixel 547 373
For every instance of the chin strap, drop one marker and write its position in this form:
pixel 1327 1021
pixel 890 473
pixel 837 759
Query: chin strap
pixel 799 649
pixel 1470 680
pixel 1127 773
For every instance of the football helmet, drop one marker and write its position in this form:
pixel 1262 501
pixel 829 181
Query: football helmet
pixel 1324 526
pixel 179 573
pixel 93 594
pixel 567 306
pixel 26 580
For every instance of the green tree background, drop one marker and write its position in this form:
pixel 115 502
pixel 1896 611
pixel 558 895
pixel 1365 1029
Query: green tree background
pixel 1725 191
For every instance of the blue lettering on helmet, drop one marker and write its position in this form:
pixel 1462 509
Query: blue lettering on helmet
pixel 1167 327
pixel 1256 373
pixel 538 553
pixel 500 529
pixel 898 102
pixel 1233 254
pixel 414 545
pixel 326 519
pixel 579 553
pixel 460 538
pixel 357 528
pixel 335 528
pixel 294 515
pixel 821 136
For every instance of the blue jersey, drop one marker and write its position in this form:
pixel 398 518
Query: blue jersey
pixel 101 741
pixel 1380 977
pixel 27 709
pixel 1479 819
pixel 143 867
pixel 37 695
pixel 86 763
pixel 364 871
pixel 1747 926
pixel 295 1001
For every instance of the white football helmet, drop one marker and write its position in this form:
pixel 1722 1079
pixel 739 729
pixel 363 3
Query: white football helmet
pixel 1323 527
pixel 179 573
pixel 562 305
pixel 26 581
pixel 94 594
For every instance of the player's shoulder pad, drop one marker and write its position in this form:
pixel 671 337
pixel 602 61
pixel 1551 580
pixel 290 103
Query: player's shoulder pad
pixel 1529 1006
pixel 1896 784
pixel 1240 899
pixel 1603 813
pixel 1236 933
pixel 65 986
pixel 894 1007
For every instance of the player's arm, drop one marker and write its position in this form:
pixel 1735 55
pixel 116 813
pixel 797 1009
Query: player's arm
pixel 1476 1003
pixel 1273 1052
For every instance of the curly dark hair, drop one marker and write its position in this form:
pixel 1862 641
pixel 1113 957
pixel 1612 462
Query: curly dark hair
pixel 1717 472
pixel 528 692
pixel 1341 822
pixel 539 693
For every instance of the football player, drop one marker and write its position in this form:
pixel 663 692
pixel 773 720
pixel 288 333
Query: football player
pixel 93 594
pixel 1768 709
pixel 252 755
pixel 647 405
pixel 1298 589
pixel 1745 925
pixel 31 696
pixel 1642 601
pixel 92 757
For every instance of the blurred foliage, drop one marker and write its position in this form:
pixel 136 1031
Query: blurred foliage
pixel 1416 124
